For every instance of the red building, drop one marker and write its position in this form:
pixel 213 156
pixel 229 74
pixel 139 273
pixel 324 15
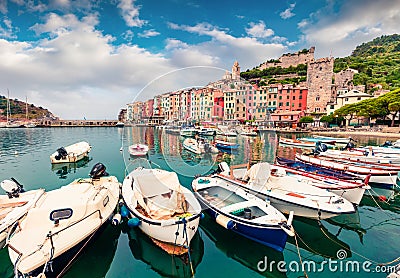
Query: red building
pixel 292 98
pixel 218 107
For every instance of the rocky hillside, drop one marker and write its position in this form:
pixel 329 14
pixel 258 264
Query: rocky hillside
pixel 18 110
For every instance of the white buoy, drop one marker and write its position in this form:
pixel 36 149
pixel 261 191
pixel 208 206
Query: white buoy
pixel 116 219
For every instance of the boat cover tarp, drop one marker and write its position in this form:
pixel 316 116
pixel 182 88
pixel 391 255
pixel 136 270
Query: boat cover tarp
pixel 258 173
pixel 163 194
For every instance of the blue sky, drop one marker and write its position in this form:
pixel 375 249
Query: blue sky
pixel 86 58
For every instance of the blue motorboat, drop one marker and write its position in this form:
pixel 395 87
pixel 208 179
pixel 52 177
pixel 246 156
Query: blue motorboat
pixel 224 145
pixel 242 212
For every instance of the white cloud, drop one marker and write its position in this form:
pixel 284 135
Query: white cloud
pixel 149 33
pixel 259 30
pixel 130 13
pixel 227 48
pixel 6 29
pixel 354 22
pixel 174 43
pixel 128 35
pixel 288 13
pixel 77 69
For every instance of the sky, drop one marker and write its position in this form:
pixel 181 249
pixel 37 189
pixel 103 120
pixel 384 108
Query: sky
pixel 89 58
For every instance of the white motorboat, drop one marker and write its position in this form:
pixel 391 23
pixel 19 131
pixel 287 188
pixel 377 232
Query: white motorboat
pixel 72 153
pixel 242 212
pixel 352 191
pixel 379 176
pixel 188 131
pixel 14 206
pixel 199 146
pixel 207 131
pixel 162 208
pixel 138 149
pixel 362 156
pixel 69 217
pixel 224 131
pixel 339 140
pixel 287 193
pixel 120 124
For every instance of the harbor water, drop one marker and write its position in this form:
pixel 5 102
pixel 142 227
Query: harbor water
pixel 356 245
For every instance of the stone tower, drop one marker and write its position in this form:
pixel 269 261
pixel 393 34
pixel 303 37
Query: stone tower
pixel 236 70
pixel 319 82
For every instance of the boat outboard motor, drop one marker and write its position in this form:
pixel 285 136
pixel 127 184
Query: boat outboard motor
pixel 349 146
pixel 320 147
pixel 387 144
pixel 223 169
pixel 62 153
pixel 12 188
pixel 98 170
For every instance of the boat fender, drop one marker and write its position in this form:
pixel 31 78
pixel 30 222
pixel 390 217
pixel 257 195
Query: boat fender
pixel 382 198
pixel 124 211
pixel 116 219
pixel 134 222
pixel 290 218
pixel 225 222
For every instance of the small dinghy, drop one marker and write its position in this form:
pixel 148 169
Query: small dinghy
pixel 61 223
pixel 162 208
pixel 242 212
pixel 14 206
pixel 138 149
pixel 72 153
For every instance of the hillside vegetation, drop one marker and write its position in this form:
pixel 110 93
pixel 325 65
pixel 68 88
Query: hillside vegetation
pixel 18 110
pixel 377 61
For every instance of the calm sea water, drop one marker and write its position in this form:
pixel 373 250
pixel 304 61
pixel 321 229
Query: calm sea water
pixel 368 237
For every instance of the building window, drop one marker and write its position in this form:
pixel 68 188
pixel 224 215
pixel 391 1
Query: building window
pixel 317 99
pixel 359 98
pixel 287 103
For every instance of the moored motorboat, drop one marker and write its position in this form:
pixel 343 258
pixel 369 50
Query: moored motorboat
pixel 72 153
pixel 69 217
pixel 362 156
pixel 198 146
pixel 207 131
pixel 287 193
pixel 352 191
pixel 379 176
pixel 188 131
pixel 138 149
pixel 299 165
pixel 296 143
pixel 225 145
pixel 14 205
pixel 339 140
pixel 242 212
pixel 162 208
